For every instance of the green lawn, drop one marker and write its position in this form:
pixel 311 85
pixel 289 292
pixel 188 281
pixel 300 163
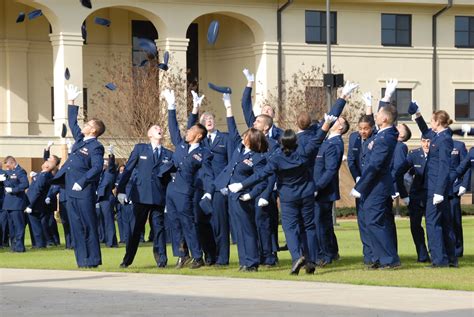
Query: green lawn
pixel 348 270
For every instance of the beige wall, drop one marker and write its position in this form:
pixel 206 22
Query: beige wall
pixel 247 39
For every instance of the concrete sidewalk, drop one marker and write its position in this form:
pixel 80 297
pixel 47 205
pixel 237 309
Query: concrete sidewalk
pixel 74 293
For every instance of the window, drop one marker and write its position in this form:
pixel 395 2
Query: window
pixel 401 100
pixel 316 27
pixel 464 104
pixel 396 29
pixel 464 32
pixel 141 29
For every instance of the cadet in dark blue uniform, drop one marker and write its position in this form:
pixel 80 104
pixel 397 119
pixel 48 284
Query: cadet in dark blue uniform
pixel 106 200
pixel 375 187
pixel 3 213
pixel 248 156
pixel 80 176
pixel 15 202
pixel 219 143
pixel 296 191
pixel 37 208
pixel 151 164
pixel 191 160
pixel 326 187
pixel 415 165
pixel 439 224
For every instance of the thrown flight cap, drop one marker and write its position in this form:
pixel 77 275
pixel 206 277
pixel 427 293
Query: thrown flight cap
pixel 164 65
pixel 412 108
pixel 35 14
pixel 212 32
pixel 148 46
pixel 206 205
pixel 86 3
pixel 111 86
pixel 21 17
pixel 221 89
pixel 63 131
pixel 102 21
pixel 67 74
pixel 84 31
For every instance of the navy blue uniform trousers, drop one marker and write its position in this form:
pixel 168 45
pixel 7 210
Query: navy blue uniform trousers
pixel 328 247
pixel 417 210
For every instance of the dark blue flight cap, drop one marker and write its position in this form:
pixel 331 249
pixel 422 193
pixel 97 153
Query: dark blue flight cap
pixel 84 31
pixel 111 86
pixel 148 46
pixel 206 206
pixel 222 90
pixel 34 14
pixel 212 32
pixel 67 74
pixel 86 3
pixel 102 21
pixel 164 65
pixel 21 17
pixel 412 108
pixel 63 131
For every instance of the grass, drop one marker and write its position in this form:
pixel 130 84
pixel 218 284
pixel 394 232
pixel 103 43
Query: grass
pixel 347 270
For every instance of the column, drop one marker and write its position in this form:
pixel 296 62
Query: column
pixel 266 71
pixel 67 52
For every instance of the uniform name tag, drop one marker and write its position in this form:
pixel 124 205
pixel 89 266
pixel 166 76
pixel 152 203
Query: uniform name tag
pixel 197 157
pixel 248 162
pixel 13 176
pixel 220 145
pixel 417 165
pixel 355 149
pixel 455 152
pixel 371 145
pixel 84 151
pixel 143 157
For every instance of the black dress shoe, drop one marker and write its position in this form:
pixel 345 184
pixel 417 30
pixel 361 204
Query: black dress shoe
pixel 390 266
pixel 161 265
pixel 295 269
pixel 436 266
pixel 241 268
pixel 123 265
pixel 310 268
pixel 373 266
pixel 182 261
pixel 250 269
pixel 197 263
pixel 322 263
pixel 455 265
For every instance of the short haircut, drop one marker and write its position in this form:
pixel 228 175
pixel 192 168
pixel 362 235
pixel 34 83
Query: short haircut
pixel 303 121
pixel 407 132
pixel 267 118
pixel 99 126
pixel 391 113
pixel 9 158
pixel 345 126
pixel 204 114
pixel 202 129
pixel 257 140
pixel 367 119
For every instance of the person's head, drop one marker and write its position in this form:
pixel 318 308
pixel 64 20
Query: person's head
pixel 207 119
pixel 269 111
pixel 440 120
pixel 425 144
pixel 121 168
pixel 263 123
pixel 93 127
pixel 48 166
pixel 255 140
pixel 365 126
pixel 10 162
pixel 340 126
pixel 288 141
pixel 55 160
pixel 303 121
pixel 386 116
pixel 155 134
pixel 196 133
pixel 404 132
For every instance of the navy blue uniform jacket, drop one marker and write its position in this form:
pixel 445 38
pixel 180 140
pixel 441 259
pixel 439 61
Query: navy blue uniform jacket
pixel 18 181
pixel 38 191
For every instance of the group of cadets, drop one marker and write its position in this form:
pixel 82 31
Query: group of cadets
pixel 217 185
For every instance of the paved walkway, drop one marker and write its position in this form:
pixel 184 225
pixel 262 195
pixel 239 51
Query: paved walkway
pixel 79 293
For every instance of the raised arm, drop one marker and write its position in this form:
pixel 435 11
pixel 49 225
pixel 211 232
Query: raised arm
pixel 193 116
pixel 247 107
pixel 73 110
pixel 234 136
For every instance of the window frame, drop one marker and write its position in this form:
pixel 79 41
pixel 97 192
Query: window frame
pixel 470 116
pixel 470 29
pixel 402 116
pixel 321 27
pixel 396 29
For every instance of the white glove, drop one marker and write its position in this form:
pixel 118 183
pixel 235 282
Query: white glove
pixel 437 199
pixel 8 189
pixel 315 194
pixel 207 195
pixel 262 202
pixel 50 144
pixel 250 76
pixel 466 128
pixel 72 92
pixel 390 87
pixel 329 119
pixel 47 201
pixel 226 99
pixel 122 198
pixel 33 174
pixel 348 88
pixel 357 179
pixel 245 197
pixel 355 193
pixel 367 98
pixel 406 201
pixel 170 98
pixel 462 191
pixel 97 205
pixel 76 187
pixel 196 99
pixel 3 177
pixel 224 191
pixel 28 210
pixel 395 196
pixel 235 187
pixel 69 146
pixel 111 149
